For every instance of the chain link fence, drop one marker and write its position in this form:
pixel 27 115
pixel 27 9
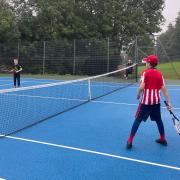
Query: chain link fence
pixel 76 57
pixel 91 56
pixel 166 50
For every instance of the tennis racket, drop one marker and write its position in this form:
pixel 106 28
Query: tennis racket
pixel 3 68
pixel 176 121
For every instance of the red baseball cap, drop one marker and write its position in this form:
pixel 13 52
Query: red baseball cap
pixel 152 59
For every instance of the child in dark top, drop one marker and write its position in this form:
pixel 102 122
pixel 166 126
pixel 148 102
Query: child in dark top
pixel 16 69
pixel 129 70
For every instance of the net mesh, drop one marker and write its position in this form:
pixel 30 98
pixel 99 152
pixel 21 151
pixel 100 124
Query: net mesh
pixel 26 106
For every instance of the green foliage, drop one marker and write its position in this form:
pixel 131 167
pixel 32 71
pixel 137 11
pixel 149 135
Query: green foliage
pixel 171 39
pixel 8 26
pixel 77 19
pixel 35 21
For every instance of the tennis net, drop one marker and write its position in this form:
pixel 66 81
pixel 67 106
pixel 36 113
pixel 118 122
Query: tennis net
pixel 26 106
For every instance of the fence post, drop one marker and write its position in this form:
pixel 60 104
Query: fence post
pixel 156 45
pixel 44 56
pixel 18 50
pixel 108 55
pixel 74 57
pixel 136 58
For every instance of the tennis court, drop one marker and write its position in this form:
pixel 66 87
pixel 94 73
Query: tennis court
pixel 87 142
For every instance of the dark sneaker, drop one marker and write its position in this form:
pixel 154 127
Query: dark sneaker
pixel 164 143
pixel 129 145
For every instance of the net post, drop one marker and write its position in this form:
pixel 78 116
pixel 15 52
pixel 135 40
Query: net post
pixel 44 56
pixel 74 57
pixel 108 55
pixel 89 89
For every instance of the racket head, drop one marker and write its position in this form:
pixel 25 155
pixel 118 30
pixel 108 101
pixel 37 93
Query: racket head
pixel 4 68
pixel 176 125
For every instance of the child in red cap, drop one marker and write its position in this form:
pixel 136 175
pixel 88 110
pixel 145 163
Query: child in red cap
pixel 150 85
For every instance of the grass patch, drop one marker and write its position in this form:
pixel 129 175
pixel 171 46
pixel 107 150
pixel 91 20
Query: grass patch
pixel 167 69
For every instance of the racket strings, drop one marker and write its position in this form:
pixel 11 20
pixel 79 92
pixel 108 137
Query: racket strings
pixel 177 125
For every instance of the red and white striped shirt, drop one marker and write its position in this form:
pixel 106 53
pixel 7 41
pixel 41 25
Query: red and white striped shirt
pixel 153 80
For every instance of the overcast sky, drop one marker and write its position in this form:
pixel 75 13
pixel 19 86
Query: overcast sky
pixel 170 12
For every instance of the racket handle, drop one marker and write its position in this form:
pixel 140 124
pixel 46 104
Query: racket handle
pixel 165 103
pixel 167 106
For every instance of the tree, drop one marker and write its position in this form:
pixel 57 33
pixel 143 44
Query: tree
pixel 177 36
pixel 116 19
pixel 53 20
pixel 8 27
pixel 171 39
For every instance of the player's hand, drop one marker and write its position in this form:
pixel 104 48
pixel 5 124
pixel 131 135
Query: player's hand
pixel 169 106
pixel 138 96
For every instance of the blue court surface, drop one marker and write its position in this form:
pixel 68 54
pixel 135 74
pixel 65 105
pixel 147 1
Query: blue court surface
pixel 89 142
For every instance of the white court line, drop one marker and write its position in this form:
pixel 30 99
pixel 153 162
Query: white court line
pixel 171 85
pixel 126 104
pixel 83 100
pixel 6 79
pixel 2 179
pixel 6 84
pixel 115 103
pixel 29 79
pixel 46 97
pixel 136 85
pixel 40 82
pixel 96 152
pixel 168 88
pixel 173 89
pixel 98 84
pixel 12 83
pixel 41 79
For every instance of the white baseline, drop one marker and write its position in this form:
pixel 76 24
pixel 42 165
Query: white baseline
pixel 96 153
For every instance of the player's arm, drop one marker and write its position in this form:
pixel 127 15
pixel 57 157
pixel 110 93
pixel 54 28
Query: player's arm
pixel 141 86
pixel 12 70
pixel 166 95
pixel 19 70
pixel 140 90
